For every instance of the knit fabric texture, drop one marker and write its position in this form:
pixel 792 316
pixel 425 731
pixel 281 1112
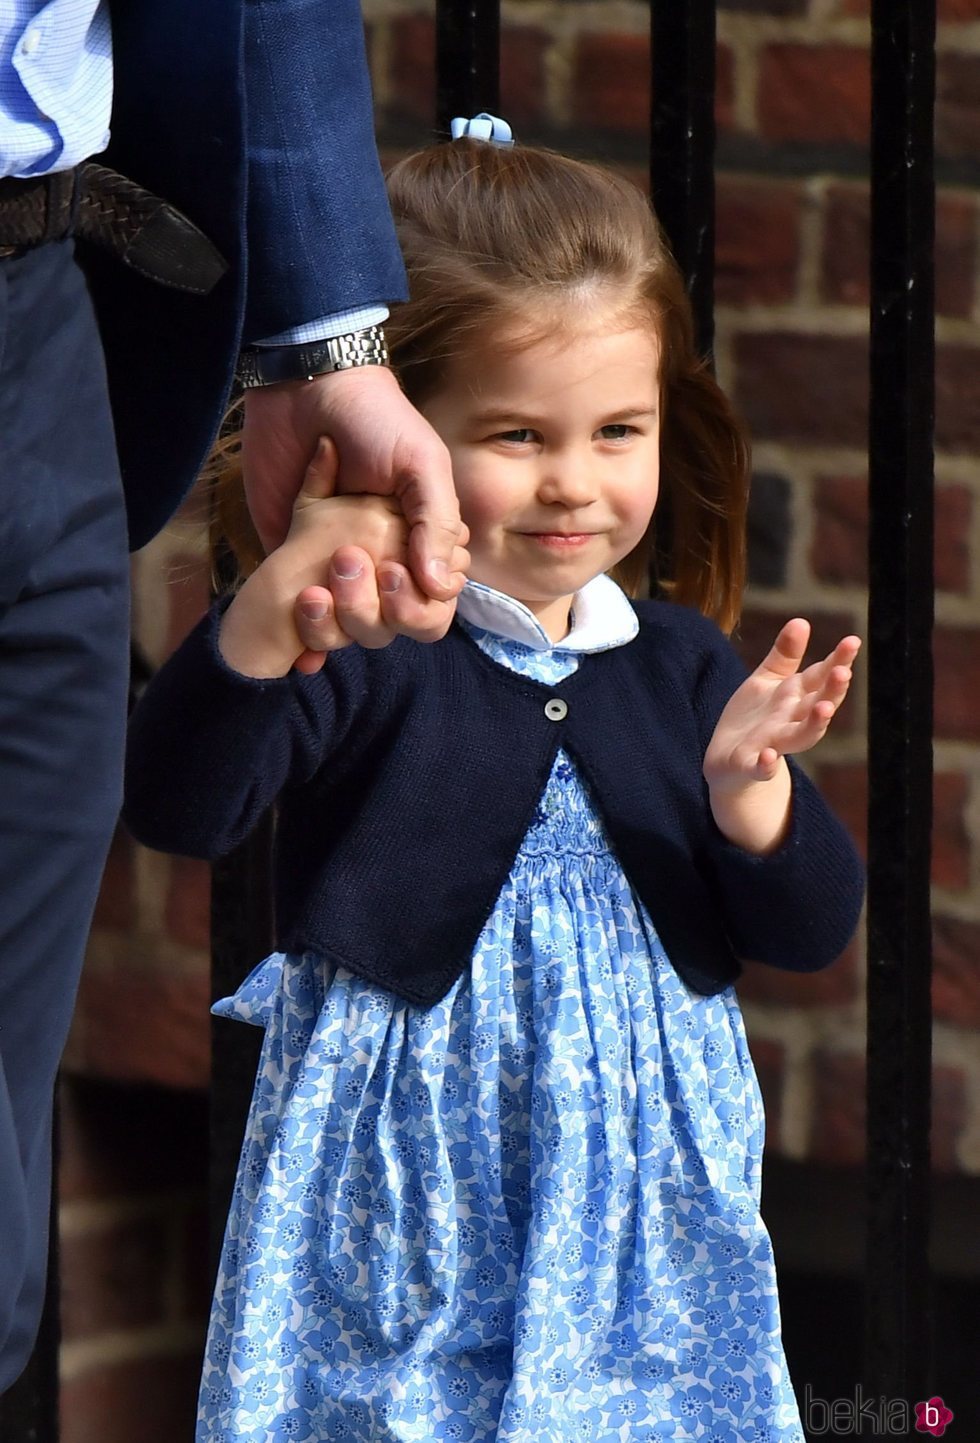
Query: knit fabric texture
pixel 407 777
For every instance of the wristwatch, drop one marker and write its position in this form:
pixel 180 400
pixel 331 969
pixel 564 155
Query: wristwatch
pixel 266 365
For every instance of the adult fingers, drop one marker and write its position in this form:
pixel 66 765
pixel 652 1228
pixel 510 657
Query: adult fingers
pixel 407 609
pixel 461 559
pixel 428 501
pixel 459 566
pixel 431 544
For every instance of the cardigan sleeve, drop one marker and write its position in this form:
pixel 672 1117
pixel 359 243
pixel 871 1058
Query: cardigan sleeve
pixel 209 750
pixel 796 907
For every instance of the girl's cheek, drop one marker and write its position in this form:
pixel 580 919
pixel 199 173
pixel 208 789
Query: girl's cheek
pixel 478 504
pixel 642 503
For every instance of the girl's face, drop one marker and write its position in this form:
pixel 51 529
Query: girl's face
pixel 556 458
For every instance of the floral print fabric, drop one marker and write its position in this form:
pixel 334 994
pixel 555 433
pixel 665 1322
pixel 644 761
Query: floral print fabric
pixel 529 1212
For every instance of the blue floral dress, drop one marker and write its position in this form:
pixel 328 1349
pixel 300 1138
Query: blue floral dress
pixel 528 1214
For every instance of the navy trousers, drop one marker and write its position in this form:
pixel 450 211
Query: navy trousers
pixel 64 628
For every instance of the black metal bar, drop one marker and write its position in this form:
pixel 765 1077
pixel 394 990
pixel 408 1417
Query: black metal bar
pixel 682 145
pixel 898 1311
pixel 467 59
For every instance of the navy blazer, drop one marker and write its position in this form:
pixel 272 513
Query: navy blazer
pixel 254 117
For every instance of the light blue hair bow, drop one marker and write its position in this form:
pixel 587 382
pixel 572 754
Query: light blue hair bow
pixel 482 127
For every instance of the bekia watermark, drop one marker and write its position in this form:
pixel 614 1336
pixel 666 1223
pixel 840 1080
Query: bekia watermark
pixel 847 1417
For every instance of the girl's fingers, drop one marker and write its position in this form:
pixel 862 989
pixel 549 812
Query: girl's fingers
pixel 767 763
pixel 353 583
pixel 811 724
pixel 842 656
pixel 788 649
pixel 320 477
pixel 813 713
pixel 316 625
pixel 369 605
pixel 832 687
pixel 310 662
pixel 779 710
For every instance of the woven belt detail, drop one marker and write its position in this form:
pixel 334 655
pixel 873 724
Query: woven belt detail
pixel 35 211
pixel 98 205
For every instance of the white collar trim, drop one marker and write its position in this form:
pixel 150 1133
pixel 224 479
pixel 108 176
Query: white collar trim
pixel 602 617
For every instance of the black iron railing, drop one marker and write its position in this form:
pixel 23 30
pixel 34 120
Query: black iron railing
pixel 467 59
pixel 898 1313
pixel 682 146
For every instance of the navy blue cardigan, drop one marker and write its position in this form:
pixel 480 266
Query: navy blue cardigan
pixel 407 778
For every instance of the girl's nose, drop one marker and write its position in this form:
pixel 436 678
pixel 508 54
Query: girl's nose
pixel 568 480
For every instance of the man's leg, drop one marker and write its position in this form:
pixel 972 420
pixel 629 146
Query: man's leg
pixel 63 671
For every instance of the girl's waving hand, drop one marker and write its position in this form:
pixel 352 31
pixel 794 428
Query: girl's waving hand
pixel 777 711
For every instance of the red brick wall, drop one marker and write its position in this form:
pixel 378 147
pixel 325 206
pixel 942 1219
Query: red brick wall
pixel 134 1265
pixel 793 101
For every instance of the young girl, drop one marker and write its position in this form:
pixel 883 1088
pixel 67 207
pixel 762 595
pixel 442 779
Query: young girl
pixel 502 1170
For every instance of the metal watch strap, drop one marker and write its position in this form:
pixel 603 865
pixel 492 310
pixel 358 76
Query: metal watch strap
pixel 267 365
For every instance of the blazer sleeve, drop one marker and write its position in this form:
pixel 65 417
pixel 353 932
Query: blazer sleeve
pixel 796 907
pixel 320 238
pixel 209 750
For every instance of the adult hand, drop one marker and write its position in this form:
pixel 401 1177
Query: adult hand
pixel 338 577
pixel 385 447
pixel 370 595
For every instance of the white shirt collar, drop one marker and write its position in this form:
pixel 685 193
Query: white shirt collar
pixel 601 617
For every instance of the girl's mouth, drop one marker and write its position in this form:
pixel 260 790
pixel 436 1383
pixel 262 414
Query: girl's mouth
pixel 560 540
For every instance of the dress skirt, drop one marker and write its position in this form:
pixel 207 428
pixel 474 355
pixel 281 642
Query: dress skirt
pixel 527 1214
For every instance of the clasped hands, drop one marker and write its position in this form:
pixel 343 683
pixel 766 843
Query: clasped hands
pixel 367 592
pixel 342 574
pixel 398 508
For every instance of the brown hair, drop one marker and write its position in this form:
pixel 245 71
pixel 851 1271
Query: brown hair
pixel 494 236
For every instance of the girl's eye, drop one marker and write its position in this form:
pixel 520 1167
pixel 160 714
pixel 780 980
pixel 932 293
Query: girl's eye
pixel 521 437
pixel 616 432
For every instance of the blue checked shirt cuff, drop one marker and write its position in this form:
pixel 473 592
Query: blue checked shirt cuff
pixel 321 330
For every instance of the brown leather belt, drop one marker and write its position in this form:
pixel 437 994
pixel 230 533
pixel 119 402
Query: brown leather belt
pixel 98 205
